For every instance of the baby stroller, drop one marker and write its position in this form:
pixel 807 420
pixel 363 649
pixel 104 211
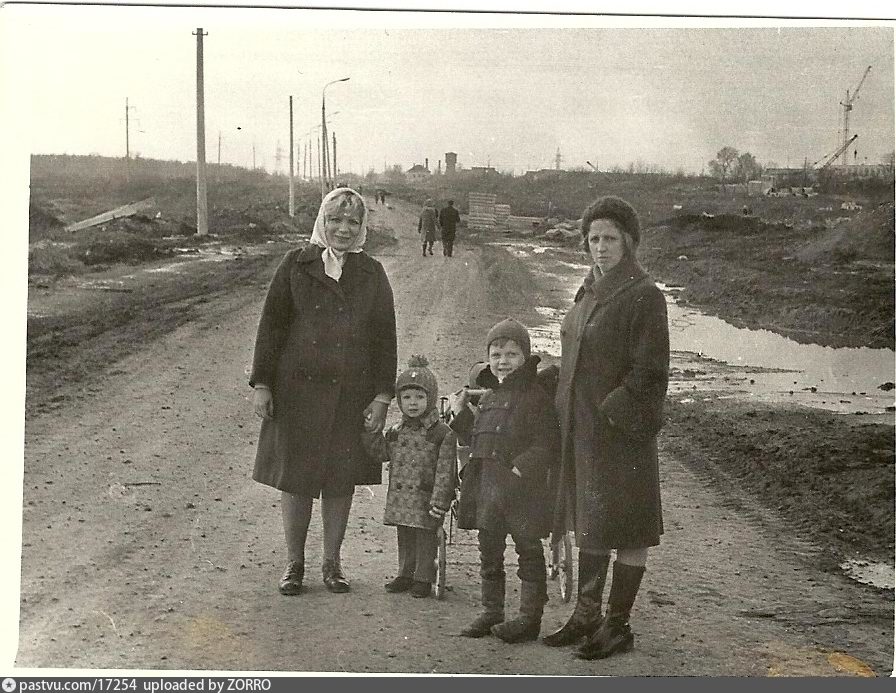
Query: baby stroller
pixel 442 537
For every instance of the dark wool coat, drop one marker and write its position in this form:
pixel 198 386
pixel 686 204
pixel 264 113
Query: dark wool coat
pixel 448 219
pixel 422 456
pixel 613 379
pixel 428 223
pixel 516 427
pixel 326 349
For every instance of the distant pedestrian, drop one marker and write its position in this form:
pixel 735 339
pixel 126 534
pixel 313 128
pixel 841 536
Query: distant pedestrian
pixel 421 451
pixel 613 379
pixel 427 225
pixel 448 219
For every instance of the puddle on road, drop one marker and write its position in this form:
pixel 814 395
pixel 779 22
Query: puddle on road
pixel 752 364
pixel 879 575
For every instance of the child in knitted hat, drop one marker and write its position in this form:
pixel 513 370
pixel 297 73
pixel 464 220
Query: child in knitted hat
pixel 421 451
pixel 514 440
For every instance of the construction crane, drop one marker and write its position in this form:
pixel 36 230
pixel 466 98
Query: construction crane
pixel 847 107
pixel 828 160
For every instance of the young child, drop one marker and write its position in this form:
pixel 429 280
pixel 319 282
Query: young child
pixel 421 451
pixel 505 486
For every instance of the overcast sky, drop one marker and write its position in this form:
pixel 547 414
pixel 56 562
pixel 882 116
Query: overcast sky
pixel 502 89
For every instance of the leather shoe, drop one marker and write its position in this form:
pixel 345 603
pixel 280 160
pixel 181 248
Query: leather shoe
pixel 291 581
pixel 421 589
pixel 400 584
pixel 334 579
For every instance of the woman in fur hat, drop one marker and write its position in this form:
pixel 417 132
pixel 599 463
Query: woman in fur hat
pixel 421 451
pixel 613 379
pixel 324 363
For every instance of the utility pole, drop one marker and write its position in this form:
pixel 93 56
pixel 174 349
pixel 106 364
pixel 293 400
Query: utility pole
pixel 219 148
pixel 292 182
pixel 335 170
pixel 127 142
pixel 320 172
pixel 201 185
pixel 253 155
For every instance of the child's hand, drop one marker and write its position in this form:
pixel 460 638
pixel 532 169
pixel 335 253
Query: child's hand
pixel 437 513
pixel 459 401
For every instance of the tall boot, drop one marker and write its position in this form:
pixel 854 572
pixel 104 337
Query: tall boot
pixel 492 608
pixel 586 617
pixel 525 627
pixel 615 634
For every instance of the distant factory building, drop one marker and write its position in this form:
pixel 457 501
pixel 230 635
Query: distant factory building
pixel 417 173
pixel 450 163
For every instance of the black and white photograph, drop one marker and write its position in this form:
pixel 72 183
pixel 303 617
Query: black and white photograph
pixel 448 341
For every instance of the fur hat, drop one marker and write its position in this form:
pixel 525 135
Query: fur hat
pixel 419 376
pixel 510 329
pixel 616 210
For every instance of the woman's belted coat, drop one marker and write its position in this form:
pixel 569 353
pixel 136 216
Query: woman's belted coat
pixel 613 380
pixel 326 348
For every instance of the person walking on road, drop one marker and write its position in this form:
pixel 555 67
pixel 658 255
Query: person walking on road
pixel 612 384
pixel 421 451
pixel 427 225
pixel 448 219
pixel 323 370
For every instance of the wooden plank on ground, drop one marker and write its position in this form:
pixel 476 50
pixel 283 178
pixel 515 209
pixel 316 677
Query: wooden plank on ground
pixel 123 211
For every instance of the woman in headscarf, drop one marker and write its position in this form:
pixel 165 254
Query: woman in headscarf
pixel 428 225
pixel 323 370
pixel 613 379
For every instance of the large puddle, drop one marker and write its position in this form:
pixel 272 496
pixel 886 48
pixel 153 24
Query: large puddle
pixel 709 353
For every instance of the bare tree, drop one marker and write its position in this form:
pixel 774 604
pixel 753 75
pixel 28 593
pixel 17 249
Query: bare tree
pixel 722 164
pixel 746 168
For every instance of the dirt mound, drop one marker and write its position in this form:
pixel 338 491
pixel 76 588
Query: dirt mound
pixel 867 236
pixel 41 221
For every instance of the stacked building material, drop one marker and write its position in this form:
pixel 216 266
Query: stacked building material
pixel 482 210
pixel 502 212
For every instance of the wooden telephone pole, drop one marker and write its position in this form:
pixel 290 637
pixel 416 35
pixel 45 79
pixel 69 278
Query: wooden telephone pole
pixel 201 183
pixel 292 182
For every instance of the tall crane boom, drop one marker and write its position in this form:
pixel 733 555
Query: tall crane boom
pixel 828 160
pixel 847 107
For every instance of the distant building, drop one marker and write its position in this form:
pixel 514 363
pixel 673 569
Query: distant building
pixel 483 170
pixel 863 171
pixel 450 163
pixel 544 174
pixel 417 173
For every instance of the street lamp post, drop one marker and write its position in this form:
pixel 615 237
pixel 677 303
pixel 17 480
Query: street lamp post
pixel 323 125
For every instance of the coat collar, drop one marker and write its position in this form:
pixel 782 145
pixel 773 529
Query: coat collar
pixel 522 375
pixel 426 421
pixel 309 259
pixel 622 277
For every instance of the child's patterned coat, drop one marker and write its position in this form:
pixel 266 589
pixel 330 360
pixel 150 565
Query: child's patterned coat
pixel 422 463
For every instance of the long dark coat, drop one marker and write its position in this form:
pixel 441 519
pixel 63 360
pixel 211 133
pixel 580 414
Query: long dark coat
pixel 613 379
pixel 326 349
pixel 428 223
pixel 516 427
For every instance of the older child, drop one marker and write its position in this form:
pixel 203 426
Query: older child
pixel 505 487
pixel 421 451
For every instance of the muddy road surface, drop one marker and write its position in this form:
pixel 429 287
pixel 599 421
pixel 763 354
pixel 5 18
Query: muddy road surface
pixel 146 545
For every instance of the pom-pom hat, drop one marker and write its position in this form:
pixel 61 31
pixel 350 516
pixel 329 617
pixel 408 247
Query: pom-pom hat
pixel 419 376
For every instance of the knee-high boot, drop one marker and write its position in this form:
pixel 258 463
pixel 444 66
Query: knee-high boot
pixel 615 634
pixel 492 608
pixel 586 617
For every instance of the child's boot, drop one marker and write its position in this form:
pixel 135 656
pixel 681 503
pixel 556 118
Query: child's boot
pixel 493 609
pixel 525 627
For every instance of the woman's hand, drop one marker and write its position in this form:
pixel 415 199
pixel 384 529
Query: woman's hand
pixel 437 513
pixel 264 403
pixel 375 416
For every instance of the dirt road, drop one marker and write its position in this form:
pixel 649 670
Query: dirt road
pixel 147 546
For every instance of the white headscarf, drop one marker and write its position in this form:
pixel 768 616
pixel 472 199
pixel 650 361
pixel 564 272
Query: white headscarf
pixel 334 259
